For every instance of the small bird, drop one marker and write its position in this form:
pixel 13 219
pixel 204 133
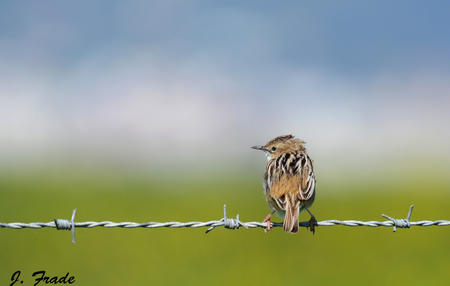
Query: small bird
pixel 289 181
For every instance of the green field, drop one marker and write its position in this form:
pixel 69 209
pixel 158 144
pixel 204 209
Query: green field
pixel 334 255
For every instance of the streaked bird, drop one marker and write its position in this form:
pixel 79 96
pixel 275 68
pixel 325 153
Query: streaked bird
pixel 289 181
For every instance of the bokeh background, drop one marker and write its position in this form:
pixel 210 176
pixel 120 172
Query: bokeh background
pixel 145 111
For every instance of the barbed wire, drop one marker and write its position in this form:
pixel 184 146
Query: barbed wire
pixel 229 223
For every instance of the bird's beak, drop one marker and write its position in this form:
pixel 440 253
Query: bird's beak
pixel 257 147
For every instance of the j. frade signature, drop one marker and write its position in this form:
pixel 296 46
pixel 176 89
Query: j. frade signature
pixel 41 277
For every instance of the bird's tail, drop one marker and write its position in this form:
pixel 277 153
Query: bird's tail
pixel 290 223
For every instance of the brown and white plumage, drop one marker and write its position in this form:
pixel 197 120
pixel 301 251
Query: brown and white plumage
pixel 289 180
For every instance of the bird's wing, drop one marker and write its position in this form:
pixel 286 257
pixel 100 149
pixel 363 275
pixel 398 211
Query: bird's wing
pixel 298 180
pixel 308 181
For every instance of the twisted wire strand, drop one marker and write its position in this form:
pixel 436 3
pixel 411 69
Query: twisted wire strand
pixel 197 224
pixel 230 223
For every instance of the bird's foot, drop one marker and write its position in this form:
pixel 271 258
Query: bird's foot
pixel 268 222
pixel 312 224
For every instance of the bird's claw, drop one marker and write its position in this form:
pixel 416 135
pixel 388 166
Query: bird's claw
pixel 268 223
pixel 312 224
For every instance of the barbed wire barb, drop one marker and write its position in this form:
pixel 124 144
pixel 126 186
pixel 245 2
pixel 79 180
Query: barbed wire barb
pixel 67 225
pixel 226 222
pixel 230 223
pixel 403 222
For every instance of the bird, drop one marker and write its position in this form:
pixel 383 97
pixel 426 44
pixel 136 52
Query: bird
pixel 289 181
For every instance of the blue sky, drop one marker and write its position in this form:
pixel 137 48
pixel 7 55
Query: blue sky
pixel 351 37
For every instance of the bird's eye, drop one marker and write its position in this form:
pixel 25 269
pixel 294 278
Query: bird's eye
pixel 273 148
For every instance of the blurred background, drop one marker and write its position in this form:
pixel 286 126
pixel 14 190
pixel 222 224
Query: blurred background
pixel 145 111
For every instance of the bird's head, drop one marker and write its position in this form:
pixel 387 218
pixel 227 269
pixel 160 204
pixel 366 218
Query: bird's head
pixel 281 145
